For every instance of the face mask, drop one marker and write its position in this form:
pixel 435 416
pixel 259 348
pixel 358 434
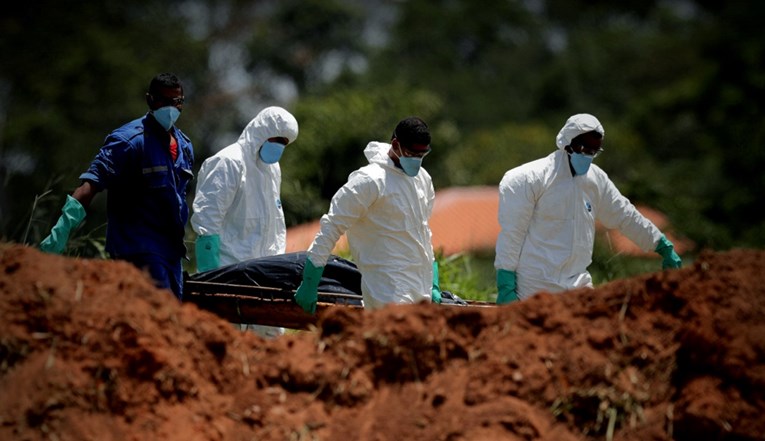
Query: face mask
pixel 410 165
pixel 270 152
pixel 580 163
pixel 166 116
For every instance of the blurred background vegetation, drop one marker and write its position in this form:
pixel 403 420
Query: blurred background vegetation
pixel 679 86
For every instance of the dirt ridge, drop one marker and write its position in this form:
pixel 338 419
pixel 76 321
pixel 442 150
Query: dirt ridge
pixel 90 350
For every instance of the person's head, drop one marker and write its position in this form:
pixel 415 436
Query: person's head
pixel 582 138
pixel 588 143
pixel 409 144
pixel 270 132
pixel 278 125
pixel 165 99
pixel 576 126
pixel 165 89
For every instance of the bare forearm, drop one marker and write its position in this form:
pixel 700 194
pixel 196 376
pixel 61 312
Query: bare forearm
pixel 85 193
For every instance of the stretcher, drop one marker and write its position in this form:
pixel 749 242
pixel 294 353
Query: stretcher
pixel 260 291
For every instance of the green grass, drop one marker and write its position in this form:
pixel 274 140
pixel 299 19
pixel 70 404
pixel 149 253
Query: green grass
pixel 468 276
pixel 607 266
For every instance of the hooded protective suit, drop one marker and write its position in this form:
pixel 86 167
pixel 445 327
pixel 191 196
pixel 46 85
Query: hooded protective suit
pixel 385 214
pixel 547 218
pixel 238 195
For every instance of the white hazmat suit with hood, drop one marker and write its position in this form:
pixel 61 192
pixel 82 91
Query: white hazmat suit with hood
pixel 384 214
pixel 238 196
pixel 547 218
pixel 238 199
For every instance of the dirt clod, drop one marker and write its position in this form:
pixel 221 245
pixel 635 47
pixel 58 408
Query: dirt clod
pixel 90 350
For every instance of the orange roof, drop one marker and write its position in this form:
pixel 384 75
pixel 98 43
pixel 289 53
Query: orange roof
pixel 464 219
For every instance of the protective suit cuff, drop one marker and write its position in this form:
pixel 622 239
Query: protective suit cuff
pixel 663 245
pixel 317 261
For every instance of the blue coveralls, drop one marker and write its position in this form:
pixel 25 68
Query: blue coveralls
pixel 146 198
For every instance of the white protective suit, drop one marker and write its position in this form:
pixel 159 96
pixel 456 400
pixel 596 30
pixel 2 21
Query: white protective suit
pixel 238 195
pixel 384 214
pixel 547 218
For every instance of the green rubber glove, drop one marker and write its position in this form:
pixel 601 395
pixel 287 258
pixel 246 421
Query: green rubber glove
pixel 667 251
pixel 307 293
pixel 71 215
pixel 208 252
pixel 506 287
pixel 435 291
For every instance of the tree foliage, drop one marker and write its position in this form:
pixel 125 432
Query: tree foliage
pixel 73 71
pixel 334 130
pixel 678 85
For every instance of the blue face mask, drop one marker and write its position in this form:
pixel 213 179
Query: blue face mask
pixel 580 163
pixel 270 152
pixel 411 166
pixel 166 116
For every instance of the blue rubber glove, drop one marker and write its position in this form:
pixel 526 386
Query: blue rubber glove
pixel 667 251
pixel 208 252
pixel 71 215
pixel 307 293
pixel 506 287
pixel 435 291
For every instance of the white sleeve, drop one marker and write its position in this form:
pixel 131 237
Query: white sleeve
pixel 617 212
pixel 348 205
pixel 516 208
pixel 219 180
pixel 430 204
pixel 431 198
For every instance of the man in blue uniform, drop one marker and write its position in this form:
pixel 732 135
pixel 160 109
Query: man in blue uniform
pixel 146 166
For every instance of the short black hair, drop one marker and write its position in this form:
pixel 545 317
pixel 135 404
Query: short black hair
pixel 412 130
pixel 163 81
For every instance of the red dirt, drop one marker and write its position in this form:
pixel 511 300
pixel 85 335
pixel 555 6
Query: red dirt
pixel 90 350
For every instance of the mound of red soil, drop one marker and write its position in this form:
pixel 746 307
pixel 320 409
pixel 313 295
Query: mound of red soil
pixel 90 350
